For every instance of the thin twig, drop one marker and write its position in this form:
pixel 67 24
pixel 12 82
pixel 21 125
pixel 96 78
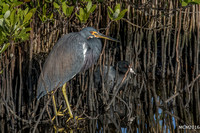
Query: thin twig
pixel 117 89
pixel 176 94
pixel 13 113
pixel 44 110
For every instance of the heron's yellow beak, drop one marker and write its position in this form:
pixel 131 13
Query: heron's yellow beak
pixel 99 35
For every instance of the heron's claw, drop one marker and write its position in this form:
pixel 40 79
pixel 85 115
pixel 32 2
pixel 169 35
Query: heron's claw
pixel 59 113
pixel 76 119
pixel 58 129
pixel 62 113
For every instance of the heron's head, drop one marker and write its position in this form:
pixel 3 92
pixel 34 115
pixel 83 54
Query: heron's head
pixel 123 67
pixel 90 32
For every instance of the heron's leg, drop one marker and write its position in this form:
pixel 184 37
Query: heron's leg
pixel 66 100
pixel 68 105
pixel 57 113
pixel 54 103
pixel 61 113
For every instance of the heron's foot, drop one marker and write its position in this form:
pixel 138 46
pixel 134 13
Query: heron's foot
pixel 76 119
pixel 59 113
pixel 65 112
pixel 62 129
pixel 59 129
pixel 71 123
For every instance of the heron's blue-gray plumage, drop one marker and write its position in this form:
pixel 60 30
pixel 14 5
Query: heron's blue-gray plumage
pixel 73 53
pixel 93 53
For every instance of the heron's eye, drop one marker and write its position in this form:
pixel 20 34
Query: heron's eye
pixel 94 33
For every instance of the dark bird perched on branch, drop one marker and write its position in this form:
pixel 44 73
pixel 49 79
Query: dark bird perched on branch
pixel 114 77
pixel 73 53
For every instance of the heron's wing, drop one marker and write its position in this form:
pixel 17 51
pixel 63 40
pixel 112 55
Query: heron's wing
pixel 64 61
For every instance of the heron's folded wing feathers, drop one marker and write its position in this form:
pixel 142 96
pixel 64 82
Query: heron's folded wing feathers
pixel 63 63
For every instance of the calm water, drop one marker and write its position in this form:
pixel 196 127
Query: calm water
pixel 137 108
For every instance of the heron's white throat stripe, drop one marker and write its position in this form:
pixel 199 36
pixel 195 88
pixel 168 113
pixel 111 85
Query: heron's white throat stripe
pixel 84 49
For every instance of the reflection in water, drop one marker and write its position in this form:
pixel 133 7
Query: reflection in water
pixel 153 115
pixel 161 121
pixel 136 108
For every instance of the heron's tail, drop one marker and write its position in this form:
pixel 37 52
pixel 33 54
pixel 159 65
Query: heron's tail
pixel 40 89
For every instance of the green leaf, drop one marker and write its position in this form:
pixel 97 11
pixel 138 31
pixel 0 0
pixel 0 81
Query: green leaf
pixel 56 5
pixel 16 3
pixel 51 17
pixel 44 18
pixel 196 1
pixel 93 8
pixel 4 34
pixel 20 14
pixel 44 9
pixel 5 8
pixel 117 11
pixel 81 15
pixel 69 10
pixel 89 5
pixel 28 29
pixel 1 22
pixel 82 12
pixel 33 10
pixel 121 15
pixel 22 33
pixel 184 3
pixel 110 16
pixel 12 17
pixel 25 37
pixel 110 9
pixel 17 16
pixel 64 8
pixel 26 11
pixel 7 14
pixel 17 20
pixel 117 7
pixel 5 46
pixel 28 17
pixel 7 23
pixel 116 14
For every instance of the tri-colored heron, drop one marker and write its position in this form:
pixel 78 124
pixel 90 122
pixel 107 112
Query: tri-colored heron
pixel 114 77
pixel 73 53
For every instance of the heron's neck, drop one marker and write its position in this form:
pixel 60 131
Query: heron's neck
pixel 93 53
pixel 96 47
